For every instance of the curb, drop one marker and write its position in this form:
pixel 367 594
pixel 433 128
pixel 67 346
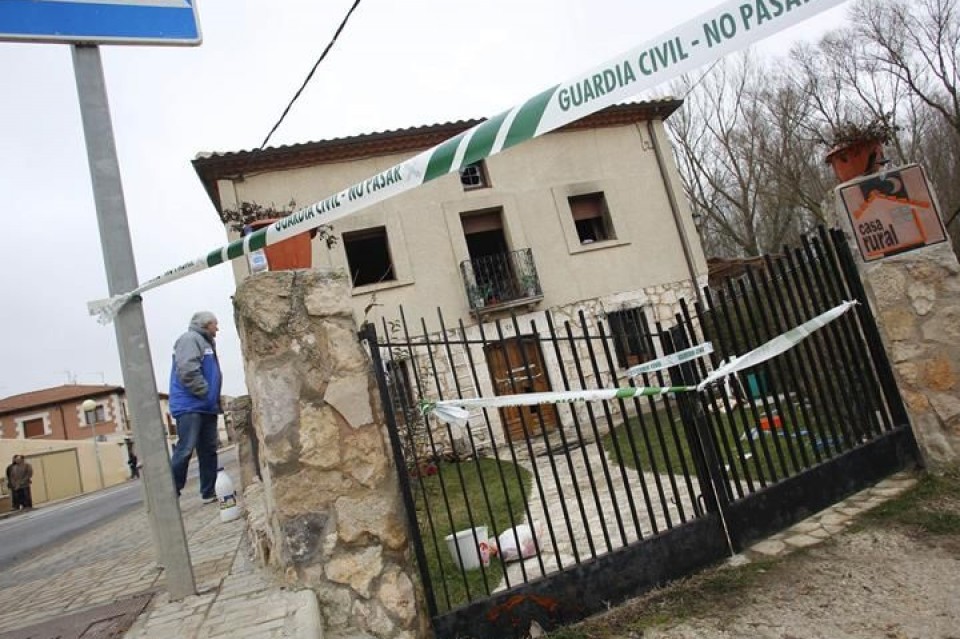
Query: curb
pixel 307 620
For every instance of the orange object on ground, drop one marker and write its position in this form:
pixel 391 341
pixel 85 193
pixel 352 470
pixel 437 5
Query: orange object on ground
pixel 765 423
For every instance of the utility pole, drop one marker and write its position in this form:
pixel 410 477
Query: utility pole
pixel 136 363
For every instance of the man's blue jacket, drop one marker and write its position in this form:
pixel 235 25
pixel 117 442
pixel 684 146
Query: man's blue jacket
pixel 195 377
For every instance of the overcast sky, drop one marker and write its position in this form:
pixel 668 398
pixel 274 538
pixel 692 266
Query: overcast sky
pixel 397 64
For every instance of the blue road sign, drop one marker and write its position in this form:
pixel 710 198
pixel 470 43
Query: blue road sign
pixel 100 21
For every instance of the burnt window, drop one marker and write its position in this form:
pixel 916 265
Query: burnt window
pixel 631 342
pixel 33 428
pixel 474 176
pixel 368 256
pixel 591 217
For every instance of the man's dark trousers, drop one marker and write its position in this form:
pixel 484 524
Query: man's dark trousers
pixel 21 497
pixel 196 431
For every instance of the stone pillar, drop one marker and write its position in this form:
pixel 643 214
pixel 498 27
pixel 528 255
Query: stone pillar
pixel 331 491
pixel 916 298
pixel 248 454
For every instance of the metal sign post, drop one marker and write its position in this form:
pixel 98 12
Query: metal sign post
pixel 84 23
pixel 137 366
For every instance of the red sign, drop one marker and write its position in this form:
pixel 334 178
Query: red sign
pixel 892 212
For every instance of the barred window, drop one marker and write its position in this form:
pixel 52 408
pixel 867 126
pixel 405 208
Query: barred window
pixel 631 341
pixel 474 176
pixel 398 380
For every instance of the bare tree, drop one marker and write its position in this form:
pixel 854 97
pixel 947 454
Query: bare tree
pixel 717 157
pixel 744 160
pixel 917 42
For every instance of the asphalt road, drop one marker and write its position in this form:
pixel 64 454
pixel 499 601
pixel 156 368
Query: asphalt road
pixel 22 534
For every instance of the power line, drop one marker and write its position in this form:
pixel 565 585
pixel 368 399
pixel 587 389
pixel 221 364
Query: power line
pixel 306 80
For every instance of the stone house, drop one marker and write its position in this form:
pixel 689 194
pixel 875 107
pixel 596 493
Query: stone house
pixel 589 218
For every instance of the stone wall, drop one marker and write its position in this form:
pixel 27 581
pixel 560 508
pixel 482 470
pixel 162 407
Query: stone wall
pixel 331 503
pixel 916 299
pixel 245 437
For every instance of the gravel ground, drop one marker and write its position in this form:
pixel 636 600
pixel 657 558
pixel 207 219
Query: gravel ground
pixel 894 574
pixel 864 585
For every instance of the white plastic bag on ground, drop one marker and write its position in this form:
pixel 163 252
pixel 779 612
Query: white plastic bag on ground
pixel 527 537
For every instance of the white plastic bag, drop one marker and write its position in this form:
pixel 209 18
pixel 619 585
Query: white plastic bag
pixel 507 542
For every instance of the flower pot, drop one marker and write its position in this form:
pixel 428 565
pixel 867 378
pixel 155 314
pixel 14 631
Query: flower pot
pixel 290 254
pixel 854 159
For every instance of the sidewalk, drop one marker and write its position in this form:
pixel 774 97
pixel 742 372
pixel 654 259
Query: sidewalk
pixel 115 564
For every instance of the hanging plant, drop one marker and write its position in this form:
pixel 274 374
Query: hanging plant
pixel 848 133
pixel 857 149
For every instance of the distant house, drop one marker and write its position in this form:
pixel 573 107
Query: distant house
pixel 55 413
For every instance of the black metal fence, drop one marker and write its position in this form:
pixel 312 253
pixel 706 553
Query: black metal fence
pixel 553 511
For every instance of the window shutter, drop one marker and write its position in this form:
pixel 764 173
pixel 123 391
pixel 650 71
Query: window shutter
pixel 586 207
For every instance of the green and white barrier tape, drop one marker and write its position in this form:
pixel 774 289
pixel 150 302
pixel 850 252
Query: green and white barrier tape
pixel 674 359
pixel 777 345
pixel 454 411
pixel 728 27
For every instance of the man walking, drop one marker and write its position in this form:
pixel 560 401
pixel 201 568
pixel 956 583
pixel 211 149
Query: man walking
pixel 19 478
pixel 195 381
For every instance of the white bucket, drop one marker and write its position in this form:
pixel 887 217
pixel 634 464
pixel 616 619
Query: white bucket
pixel 469 557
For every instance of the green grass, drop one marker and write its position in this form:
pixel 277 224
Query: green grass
pixel 931 507
pixel 464 494
pixel 676 450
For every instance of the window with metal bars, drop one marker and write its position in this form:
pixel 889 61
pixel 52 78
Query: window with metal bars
pixel 474 176
pixel 631 342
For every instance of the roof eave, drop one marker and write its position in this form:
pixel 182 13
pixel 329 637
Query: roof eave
pixel 234 165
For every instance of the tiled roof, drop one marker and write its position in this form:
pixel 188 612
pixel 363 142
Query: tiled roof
pixel 211 167
pixel 55 395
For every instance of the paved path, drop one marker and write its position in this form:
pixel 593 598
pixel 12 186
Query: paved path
pixel 611 511
pixel 116 561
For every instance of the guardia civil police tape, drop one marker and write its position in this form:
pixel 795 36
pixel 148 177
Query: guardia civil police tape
pixel 777 345
pixel 728 27
pixel 454 411
pixel 673 359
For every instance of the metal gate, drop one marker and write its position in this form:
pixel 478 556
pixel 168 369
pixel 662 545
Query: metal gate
pixel 602 501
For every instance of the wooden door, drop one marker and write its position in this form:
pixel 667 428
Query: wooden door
pixel 516 366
